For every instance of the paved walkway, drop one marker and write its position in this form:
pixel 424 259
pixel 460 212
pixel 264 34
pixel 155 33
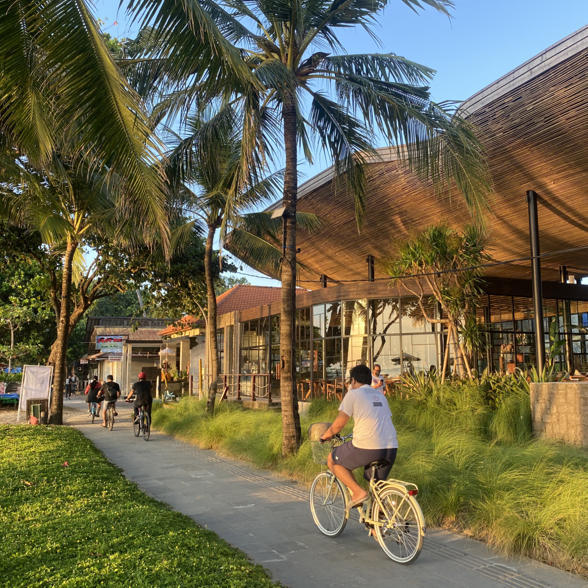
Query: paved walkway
pixel 269 519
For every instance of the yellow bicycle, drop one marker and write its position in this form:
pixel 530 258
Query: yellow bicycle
pixel 391 511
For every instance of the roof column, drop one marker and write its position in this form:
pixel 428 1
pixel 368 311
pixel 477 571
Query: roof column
pixel 536 273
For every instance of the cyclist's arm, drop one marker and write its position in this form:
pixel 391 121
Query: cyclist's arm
pixel 337 426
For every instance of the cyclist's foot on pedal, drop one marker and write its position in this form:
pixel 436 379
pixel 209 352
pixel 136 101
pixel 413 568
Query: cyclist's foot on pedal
pixel 358 501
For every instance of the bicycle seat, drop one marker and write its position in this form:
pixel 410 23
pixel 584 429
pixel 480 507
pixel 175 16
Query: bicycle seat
pixel 380 463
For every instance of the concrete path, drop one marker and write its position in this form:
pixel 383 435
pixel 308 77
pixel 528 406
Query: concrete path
pixel 269 519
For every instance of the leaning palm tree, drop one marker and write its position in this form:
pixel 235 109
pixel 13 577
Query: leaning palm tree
pixel 62 93
pixel 299 88
pixel 204 171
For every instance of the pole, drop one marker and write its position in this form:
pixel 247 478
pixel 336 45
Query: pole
pixel 200 379
pixel 536 274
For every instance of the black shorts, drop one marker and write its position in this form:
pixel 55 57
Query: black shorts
pixel 351 457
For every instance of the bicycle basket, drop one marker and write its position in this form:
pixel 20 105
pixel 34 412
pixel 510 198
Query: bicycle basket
pixel 320 451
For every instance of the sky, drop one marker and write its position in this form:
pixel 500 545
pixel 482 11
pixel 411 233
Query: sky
pixel 484 40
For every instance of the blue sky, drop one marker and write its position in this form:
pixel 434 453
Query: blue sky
pixel 484 40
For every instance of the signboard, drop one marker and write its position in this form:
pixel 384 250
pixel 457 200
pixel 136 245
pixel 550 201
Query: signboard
pixel 36 383
pixel 83 361
pixel 114 358
pixel 110 343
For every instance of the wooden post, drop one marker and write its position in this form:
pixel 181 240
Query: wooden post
pixel 200 379
pixel 239 387
pixel 269 388
pixel 253 388
pixel 191 388
pixel 157 388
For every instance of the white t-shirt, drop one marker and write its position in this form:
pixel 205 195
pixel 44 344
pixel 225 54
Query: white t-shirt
pixel 378 383
pixel 372 428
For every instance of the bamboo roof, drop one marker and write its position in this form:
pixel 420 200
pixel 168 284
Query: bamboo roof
pixel 532 123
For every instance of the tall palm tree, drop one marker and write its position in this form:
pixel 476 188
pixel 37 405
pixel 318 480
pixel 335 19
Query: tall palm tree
pixel 292 57
pixel 208 159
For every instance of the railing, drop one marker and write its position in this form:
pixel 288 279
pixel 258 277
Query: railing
pixel 249 385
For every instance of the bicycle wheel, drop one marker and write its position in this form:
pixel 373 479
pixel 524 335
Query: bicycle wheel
pixel 402 521
pixel 327 504
pixel 137 424
pixel 146 427
pixel 110 417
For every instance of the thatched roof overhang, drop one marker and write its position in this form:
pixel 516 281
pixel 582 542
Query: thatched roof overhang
pixel 532 123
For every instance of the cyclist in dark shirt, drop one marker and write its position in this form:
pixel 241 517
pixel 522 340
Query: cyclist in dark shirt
pixel 111 392
pixel 94 395
pixel 141 392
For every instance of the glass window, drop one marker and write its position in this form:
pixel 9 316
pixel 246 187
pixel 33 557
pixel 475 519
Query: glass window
pixel 412 320
pixel 333 319
pixel 385 316
pixel 333 359
pixel 355 352
pixel 354 317
pixel 318 321
pixel 303 324
pixel 387 355
pixel 275 330
pixel 419 353
pixel 317 360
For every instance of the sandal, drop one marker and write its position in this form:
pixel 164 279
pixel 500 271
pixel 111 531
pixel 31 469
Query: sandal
pixel 358 502
pixel 102 425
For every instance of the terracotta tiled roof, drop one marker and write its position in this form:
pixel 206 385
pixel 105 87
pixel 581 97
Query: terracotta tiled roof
pixel 188 322
pixel 239 297
pixel 244 296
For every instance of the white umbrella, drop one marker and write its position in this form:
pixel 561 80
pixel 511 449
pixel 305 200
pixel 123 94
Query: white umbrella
pixel 167 351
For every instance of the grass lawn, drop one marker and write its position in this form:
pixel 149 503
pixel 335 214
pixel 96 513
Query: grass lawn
pixel 526 497
pixel 82 523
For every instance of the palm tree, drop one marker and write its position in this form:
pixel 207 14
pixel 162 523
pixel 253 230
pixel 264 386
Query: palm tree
pixel 275 61
pixel 69 207
pixel 61 92
pixel 209 158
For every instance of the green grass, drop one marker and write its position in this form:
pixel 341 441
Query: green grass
pixel 477 468
pixel 85 525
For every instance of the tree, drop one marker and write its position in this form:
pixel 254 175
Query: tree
pixel 225 283
pixel 443 265
pixel 273 68
pixel 25 308
pixel 209 159
pixel 68 209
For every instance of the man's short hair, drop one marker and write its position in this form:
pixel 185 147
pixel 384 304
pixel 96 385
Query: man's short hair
pixel 377 365
pixel 361 374
pixel 110 378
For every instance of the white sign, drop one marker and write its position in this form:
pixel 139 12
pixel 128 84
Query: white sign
pixel 83 361
pixel 36 383
pixel 114 358
pixel 110 343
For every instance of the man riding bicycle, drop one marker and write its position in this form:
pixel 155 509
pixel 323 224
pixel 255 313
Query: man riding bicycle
pixel 111 392
pixel 141 391
pixel 374 435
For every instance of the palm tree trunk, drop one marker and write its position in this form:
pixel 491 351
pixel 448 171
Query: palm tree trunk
pixel 291 432
pixel 211 323
pixel 63 331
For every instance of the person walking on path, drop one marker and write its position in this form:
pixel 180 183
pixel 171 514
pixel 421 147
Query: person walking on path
pixel 111 392
pixel 68 388
pixel 374 435
pixel 141 392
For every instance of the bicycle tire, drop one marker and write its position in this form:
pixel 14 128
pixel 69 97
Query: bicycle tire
pixel 110 417
pixel 137 424
pixel 327 504
pixel 147 427
pixel 400 536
